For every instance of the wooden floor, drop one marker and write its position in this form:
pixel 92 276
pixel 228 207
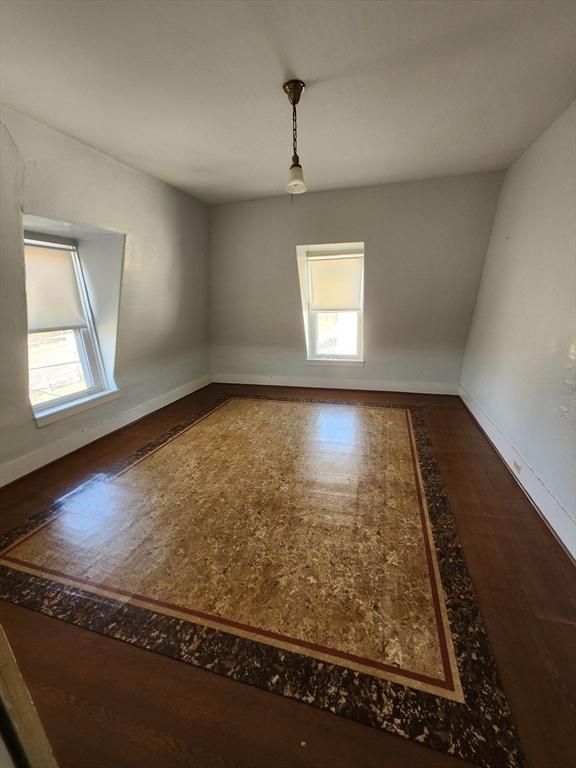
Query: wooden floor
pixel 106 704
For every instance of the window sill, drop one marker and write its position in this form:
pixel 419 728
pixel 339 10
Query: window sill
pixel 344 363
pixel 50 415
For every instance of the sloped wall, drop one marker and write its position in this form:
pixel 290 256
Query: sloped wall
pixel 425 247
pixel 162 339
pixel 520 363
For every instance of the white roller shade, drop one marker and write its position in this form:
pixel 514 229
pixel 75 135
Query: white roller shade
pixel 336 283
pixel 52 290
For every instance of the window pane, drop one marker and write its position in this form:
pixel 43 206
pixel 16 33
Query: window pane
pixel 55 366
pixel 336 283
pixel 337 333
pixel 52 291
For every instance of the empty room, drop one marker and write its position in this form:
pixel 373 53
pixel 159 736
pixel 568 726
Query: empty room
pixel 288 384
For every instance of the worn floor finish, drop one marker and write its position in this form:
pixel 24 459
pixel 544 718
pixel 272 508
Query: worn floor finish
pixel 326 742
pixel 275 541
pixel 300 525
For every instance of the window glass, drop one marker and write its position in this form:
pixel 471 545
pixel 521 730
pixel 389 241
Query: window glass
pixel 337 333
pixel 55 366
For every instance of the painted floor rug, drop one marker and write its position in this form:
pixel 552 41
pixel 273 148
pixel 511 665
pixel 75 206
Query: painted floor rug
pixel 305 547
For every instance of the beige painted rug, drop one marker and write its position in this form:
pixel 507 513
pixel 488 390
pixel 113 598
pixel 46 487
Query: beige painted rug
pixel 302 527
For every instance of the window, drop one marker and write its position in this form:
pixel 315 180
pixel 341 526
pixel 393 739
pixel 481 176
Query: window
pixel 64 359
pixel 332 290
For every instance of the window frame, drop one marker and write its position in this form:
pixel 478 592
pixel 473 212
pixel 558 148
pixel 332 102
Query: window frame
pixel 311 314
pixel 86 338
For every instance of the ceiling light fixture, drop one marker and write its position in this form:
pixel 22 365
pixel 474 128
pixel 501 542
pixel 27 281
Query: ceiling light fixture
pixel 293 89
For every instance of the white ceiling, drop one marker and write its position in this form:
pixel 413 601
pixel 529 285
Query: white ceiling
pixel 190 92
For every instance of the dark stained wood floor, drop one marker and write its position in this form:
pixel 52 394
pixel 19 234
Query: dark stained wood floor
pixel 106 704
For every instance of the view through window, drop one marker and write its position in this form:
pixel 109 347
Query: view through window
pixel 337 333
pixel 55 366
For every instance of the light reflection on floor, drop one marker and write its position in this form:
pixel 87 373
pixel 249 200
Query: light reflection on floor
pixel 299 518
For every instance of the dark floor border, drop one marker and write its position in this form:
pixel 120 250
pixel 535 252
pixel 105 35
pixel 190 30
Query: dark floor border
pixel 481 730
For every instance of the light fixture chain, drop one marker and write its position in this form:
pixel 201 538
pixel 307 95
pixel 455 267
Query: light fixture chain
pixel 293 89
pixel 294 130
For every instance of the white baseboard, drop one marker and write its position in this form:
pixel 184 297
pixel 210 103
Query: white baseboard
pixel 23 465
pixel 556 516
pixel 377 385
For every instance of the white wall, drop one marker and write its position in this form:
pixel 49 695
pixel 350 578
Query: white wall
pixel 162 341
pixel 425 246
pixel 518 375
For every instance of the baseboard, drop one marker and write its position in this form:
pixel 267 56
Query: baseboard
pixel 12 470
pixel 23 465
pixel 551 510
pixel 377 385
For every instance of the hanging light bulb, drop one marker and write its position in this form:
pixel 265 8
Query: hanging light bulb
pixel 296 185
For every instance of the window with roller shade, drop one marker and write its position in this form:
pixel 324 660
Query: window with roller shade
pixel 332 290
pixel 64 361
